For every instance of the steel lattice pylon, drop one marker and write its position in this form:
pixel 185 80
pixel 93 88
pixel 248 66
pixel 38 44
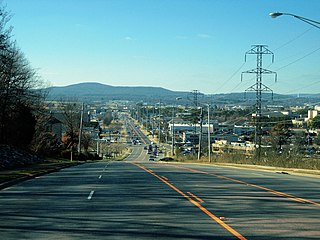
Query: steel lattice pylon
pixel 259 87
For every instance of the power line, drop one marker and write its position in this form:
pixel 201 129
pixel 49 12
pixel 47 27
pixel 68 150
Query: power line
pixel 229 79
pixel 298 89
pixel 297 60
pixel 292 40
pixel 280 47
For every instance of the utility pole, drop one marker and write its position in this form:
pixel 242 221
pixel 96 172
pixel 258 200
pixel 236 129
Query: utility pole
pixel 173 137
pixel 159 126
pixel 173 130
pixel 153 116
pixel 200 133
pixel 209 140
pixel 259 87
pixel 195 94
pixel 80 128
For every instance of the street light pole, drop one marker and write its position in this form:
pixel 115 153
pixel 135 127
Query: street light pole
pixel 172 147
pixel 306 20
pixel 159 126
pixel 153 116
pixel 173 137
pixel 200 134
pixel 80 128
pixel 209 140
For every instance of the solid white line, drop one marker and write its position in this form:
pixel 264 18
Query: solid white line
pixel 90 195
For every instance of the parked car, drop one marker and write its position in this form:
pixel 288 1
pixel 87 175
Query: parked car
pixel 167 159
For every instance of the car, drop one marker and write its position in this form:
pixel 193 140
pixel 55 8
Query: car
pixel 186 152
pixel 166 159
pixel 151 158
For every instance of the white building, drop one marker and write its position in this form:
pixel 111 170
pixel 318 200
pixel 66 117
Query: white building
pixel 311 114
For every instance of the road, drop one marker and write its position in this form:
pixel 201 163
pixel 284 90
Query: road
pixel 139 199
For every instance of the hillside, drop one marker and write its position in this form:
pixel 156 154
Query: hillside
pixel 98 91
pixel 101 92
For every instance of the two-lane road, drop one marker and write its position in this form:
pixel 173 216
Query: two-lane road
pixel 138 199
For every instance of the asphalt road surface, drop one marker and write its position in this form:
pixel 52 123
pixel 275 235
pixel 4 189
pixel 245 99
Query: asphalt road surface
pixel 139 199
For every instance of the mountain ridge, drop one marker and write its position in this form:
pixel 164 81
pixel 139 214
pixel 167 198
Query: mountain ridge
pixel 94 91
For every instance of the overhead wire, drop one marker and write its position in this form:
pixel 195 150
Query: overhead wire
pixel 293 62
pixel 280 47
pixel 297 60
pixel 229 79
pixel 292 40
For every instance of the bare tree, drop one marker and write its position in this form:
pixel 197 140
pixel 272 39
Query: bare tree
pixel 108 118
pixel 18 97
pixel 45 141
pixel 71 114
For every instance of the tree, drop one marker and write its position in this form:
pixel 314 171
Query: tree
pixel 86 141
pixel 45 142
pixel 115 126
pixel 22 127
pixel 71 114
pixel 108 118
pixel 315 122
pixel 18 97
pixel 280 133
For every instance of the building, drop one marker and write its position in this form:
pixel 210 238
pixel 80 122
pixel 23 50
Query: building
pixel 243 130
pixel 223 146
pixel 312 114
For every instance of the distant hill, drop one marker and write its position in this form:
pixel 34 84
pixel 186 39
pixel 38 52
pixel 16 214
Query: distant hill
pixel 100 92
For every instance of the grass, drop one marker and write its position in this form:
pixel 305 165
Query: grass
pixel 36 169
pixel 49 165
pixel 271 161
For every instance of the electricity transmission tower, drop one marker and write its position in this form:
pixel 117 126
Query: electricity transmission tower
pixel 259 87
pixel 195 94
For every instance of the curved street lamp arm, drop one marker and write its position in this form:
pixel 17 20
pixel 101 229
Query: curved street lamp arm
pixel 306 20
pixel 309 21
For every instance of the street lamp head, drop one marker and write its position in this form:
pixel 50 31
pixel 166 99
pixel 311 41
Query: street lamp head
pixel 275 14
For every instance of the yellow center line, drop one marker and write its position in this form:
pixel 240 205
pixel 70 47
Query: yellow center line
pixel 195 197
pixel 165 178
pixel 291 197
pixel 206 211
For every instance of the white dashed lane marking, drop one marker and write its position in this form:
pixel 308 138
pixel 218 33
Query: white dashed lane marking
pixel 90 195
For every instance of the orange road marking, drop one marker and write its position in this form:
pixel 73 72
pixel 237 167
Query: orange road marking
pixel 281 194
pixel 165 178
pixel 206 211
pixel 195 197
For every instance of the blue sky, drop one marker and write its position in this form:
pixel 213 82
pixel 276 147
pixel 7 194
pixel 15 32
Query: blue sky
pixel 181 45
